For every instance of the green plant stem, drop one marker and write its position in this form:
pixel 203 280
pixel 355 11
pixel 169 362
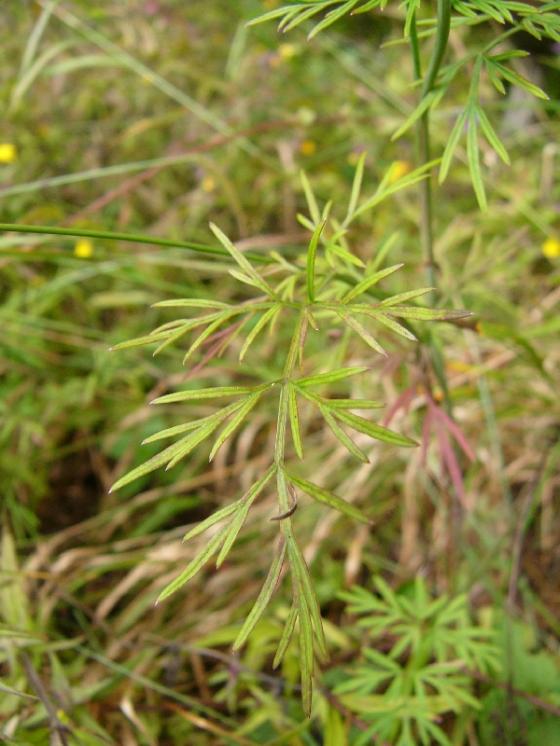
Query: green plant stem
pixel 423 128
pixel 129 237
pixel 423 148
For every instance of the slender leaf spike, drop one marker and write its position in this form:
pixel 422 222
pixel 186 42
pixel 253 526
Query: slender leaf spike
pixel 263 599
pixel 195 565
pixel 473 157
pixel 311 253
pixel 246 267
pixel 328 498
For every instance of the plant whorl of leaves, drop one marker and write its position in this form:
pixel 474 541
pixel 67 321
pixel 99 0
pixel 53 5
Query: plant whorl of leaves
pixel 328 287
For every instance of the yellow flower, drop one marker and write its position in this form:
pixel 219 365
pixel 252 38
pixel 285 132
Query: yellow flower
pixel 208 184
pixel 287 51
pixel 551 248
pixel 308 147
pixel 8 152
pixel 83 248
pixel 398 169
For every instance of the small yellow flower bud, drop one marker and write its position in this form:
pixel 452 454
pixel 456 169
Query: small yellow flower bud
pixel 551 248
pixel 208 184
pixel 287 51
pixel 83 248
pixel 308 147
pixel 398 169
pixel 8 152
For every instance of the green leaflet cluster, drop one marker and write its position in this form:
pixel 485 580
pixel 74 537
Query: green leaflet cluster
pixel 492 64
pixel 425 669
pixel 327 287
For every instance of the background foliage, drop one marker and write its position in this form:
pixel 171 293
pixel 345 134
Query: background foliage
pixel 159 117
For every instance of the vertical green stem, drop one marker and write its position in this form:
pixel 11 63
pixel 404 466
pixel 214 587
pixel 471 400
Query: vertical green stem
pixel 282 420
pixel 423 128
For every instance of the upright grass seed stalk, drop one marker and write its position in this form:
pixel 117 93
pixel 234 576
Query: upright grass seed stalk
pixel 326 287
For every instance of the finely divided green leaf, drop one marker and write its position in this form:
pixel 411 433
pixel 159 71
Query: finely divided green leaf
pixel 386 190
pixel 352 404
pixel 451 146
pixel 199 394
pixel 203 336
pixel 151 464
pixel 301 573
pixel 332 16
pixel 190 303
pixel 294 420
pixel 267 317
pixel 140 341
pixel 287 633
pixel 239 519
pixel 491 136
pixel 362 332
pixel 196 438
pixel 341 436
pixel 521 82
pixel 311 201
pixel 395 326
pixel 306 655
pixel 356 187
pixel 185 427
pixel 195 565
pixel 431 99
pixel 328 498
pixel 331 377
pixel 311 254
pixel 246 267
pixel 216 517
pixel 418 313
pixel 231 534
pixel 394 300
pixel 264 597
pixel 374 431
pixel 235 422
pixel 368 282
pixel 473 158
